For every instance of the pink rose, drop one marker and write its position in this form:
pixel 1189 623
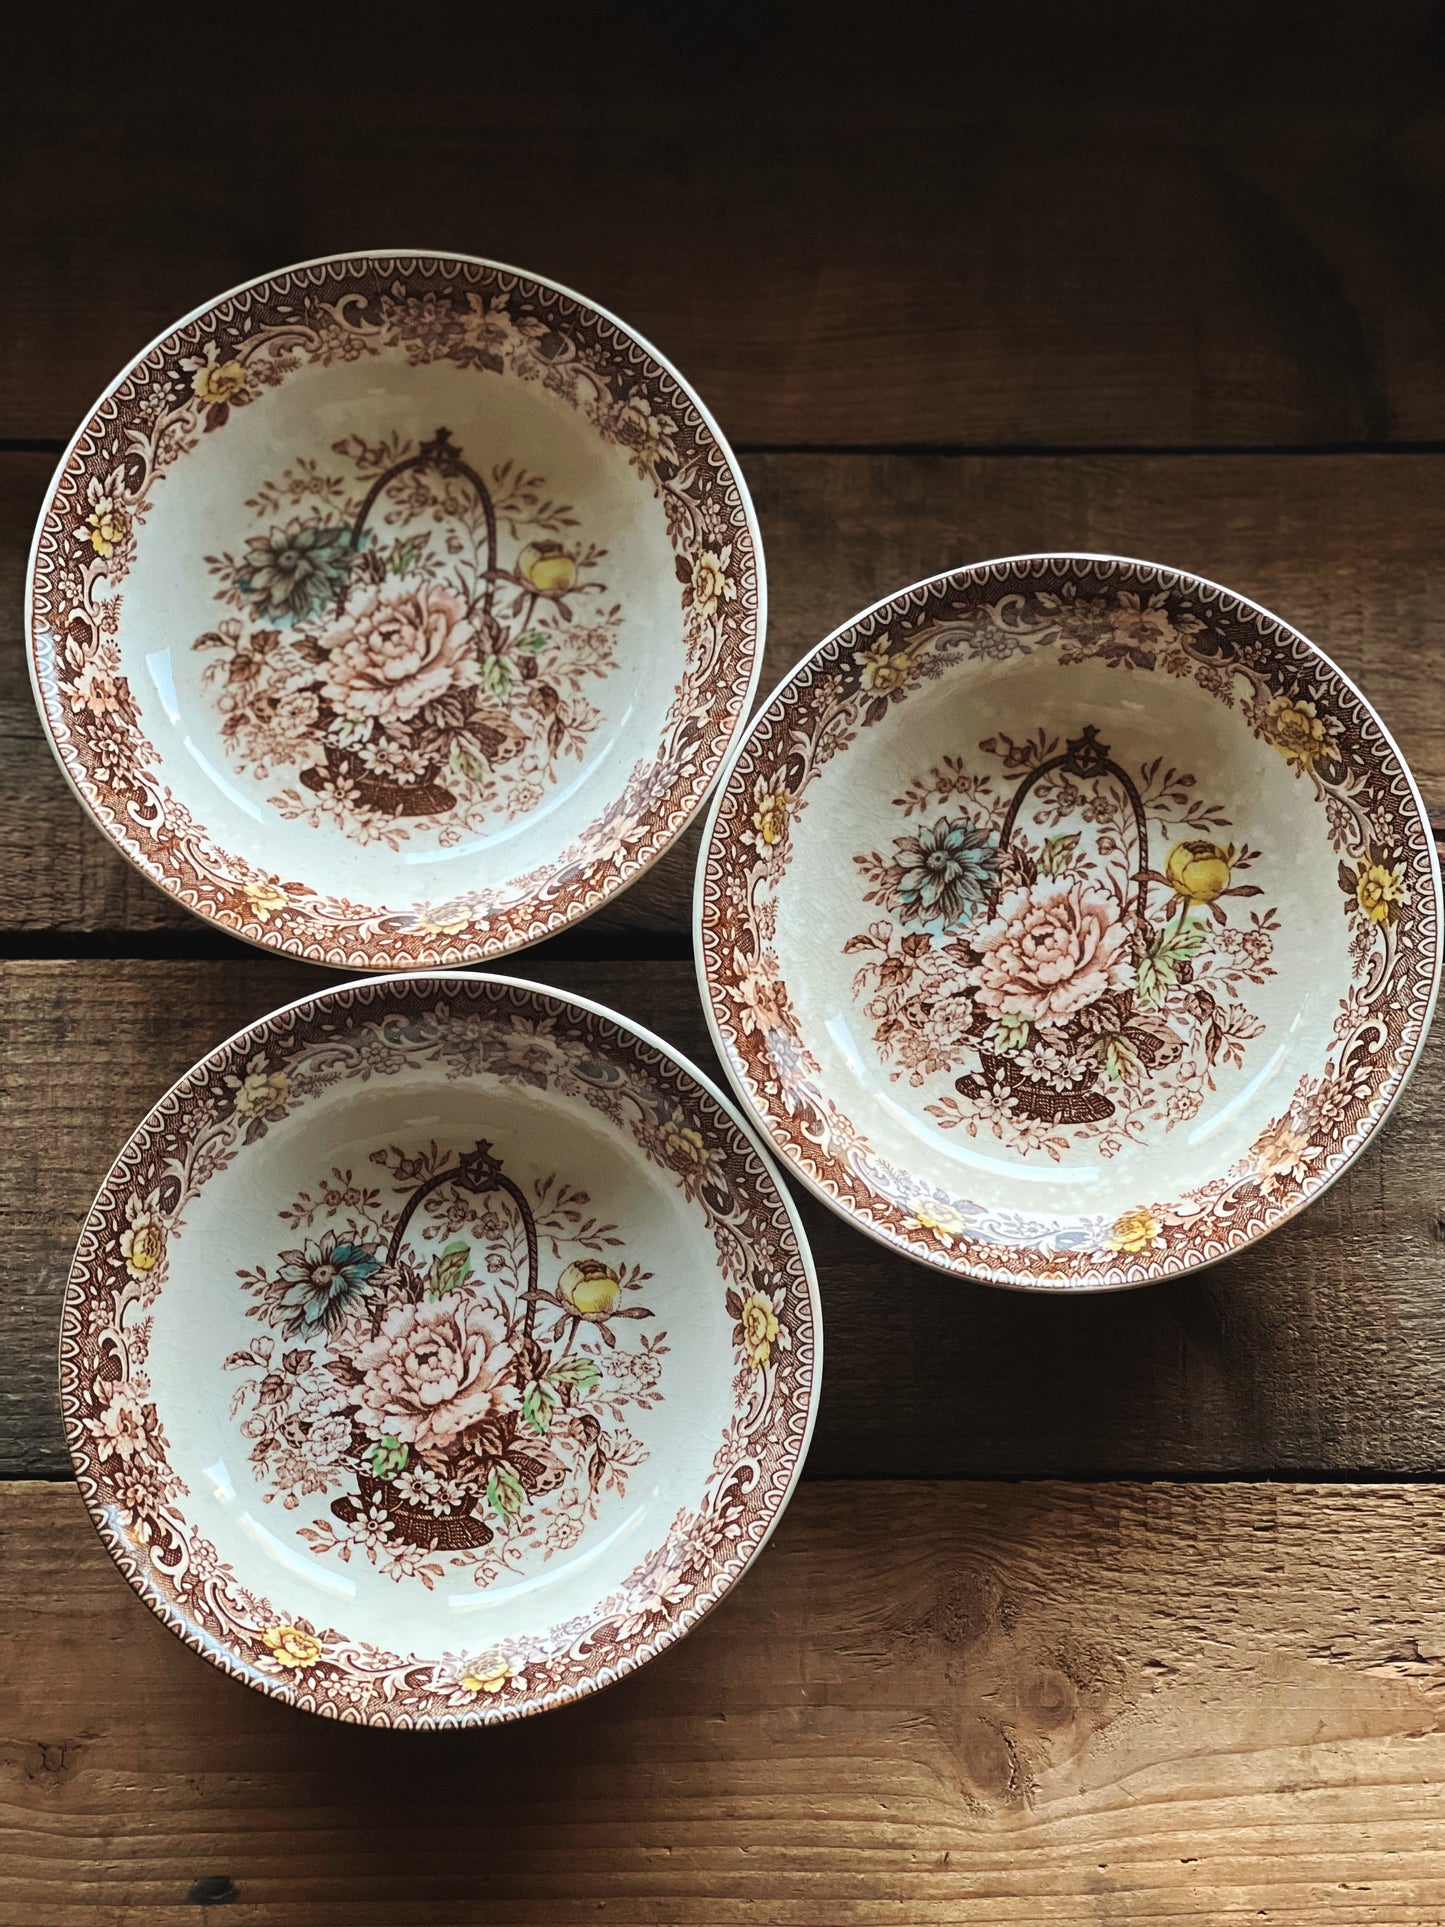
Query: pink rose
pixel 396 647
pixel 432 1371
pixel 1048 952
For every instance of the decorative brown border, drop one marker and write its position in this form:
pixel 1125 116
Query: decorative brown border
pixel 437 306
pixel 848 683
pixel 677 1120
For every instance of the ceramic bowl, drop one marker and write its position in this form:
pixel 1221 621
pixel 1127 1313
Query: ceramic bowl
pixel 1068 921
pixel 438 1350
pixel 395 609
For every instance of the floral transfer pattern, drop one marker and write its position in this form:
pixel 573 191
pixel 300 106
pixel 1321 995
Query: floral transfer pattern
pixel 391 650
pixel 1091 995
pixel 453 1375
pixel 415 1373
pixel 422 311
pixel 1039 943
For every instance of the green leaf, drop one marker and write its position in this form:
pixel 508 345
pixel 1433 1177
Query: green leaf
pixel 537 1403
pixel 405 556
pixel 450 1269
pixel 347 731
pixel 532 640
pixel 1122 1062
pixel 466 762
pixel 505 1492
pixel 1154 979
pixel 579 1372
pixel 1058 853
pixel 1010 1032
pixel 497 674
pixel 1158 970
pixel 388 1457
pixel 1187 941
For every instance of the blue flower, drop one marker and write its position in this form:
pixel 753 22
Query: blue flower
pixel 322 1280
pixel 289 574
pixel 943 871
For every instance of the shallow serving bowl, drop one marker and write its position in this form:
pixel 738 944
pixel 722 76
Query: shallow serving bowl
pixel 395 609
pixel 438 1350
pixel 1068 921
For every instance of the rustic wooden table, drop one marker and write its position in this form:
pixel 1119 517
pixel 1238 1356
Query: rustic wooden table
pixel 1125 1609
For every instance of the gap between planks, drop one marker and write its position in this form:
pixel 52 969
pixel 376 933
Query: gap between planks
pixel 1317 1348
pixel 1038 1704
pixel 1344 547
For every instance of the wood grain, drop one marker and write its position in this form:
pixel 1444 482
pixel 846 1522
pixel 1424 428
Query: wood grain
pixel 976 231
pixel 1345 547
pixel 1320 1349
pixel 972 1705
pixel 995 228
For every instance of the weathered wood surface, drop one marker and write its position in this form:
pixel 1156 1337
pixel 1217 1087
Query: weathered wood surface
pixel 1048 225
pixel 1323 1348
pixel 971 1705
pixel 1345 547
pixel 1005 229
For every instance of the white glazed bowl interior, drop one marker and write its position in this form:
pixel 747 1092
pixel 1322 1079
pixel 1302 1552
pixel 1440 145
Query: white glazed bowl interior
pixel 1068 921
pixel 318 1421
pixel 396 610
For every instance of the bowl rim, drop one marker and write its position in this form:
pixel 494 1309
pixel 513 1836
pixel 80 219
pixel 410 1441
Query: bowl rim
pixel 624 874
pixel 941 1261
pixel 135 1569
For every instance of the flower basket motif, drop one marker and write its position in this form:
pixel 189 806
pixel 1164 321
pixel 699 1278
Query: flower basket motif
pixel 1078 1100
pixel 1053 954
pixel 388 650
pixel 418 1382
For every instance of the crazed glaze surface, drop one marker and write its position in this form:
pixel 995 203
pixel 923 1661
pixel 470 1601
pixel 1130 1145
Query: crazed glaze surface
pixel 1068 921
pixel 437 1351
pixel 395 610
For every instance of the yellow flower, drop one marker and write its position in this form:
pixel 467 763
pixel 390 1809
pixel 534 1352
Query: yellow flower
pixel 548 567
pixel 290 1646
pixel 218 382
pixel 1379 890
pixel 266 897
pixel 770 818
pixel 490 1681
pixel 932 1214
pixel 711 583
pixel 262 1093
pixel 107 527
pixel 1297 733
pixel 590 1288
pixel 882 670
pixel 448 921
pixel 143 1244
pixel 760 1327
pixel 1136 1230
pixel 682 1144
pixel 1199 871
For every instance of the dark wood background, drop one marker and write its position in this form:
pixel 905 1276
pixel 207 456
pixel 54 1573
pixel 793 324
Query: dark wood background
pixel 1128 1609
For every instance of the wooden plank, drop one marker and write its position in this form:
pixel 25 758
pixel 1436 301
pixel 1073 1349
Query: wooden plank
pixel 1346 547
pixel 971 1705
pixel 1321 1349
pixel 976 231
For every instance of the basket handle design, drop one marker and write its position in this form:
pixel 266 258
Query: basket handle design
pixel 1087 757
pixel 479 1171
